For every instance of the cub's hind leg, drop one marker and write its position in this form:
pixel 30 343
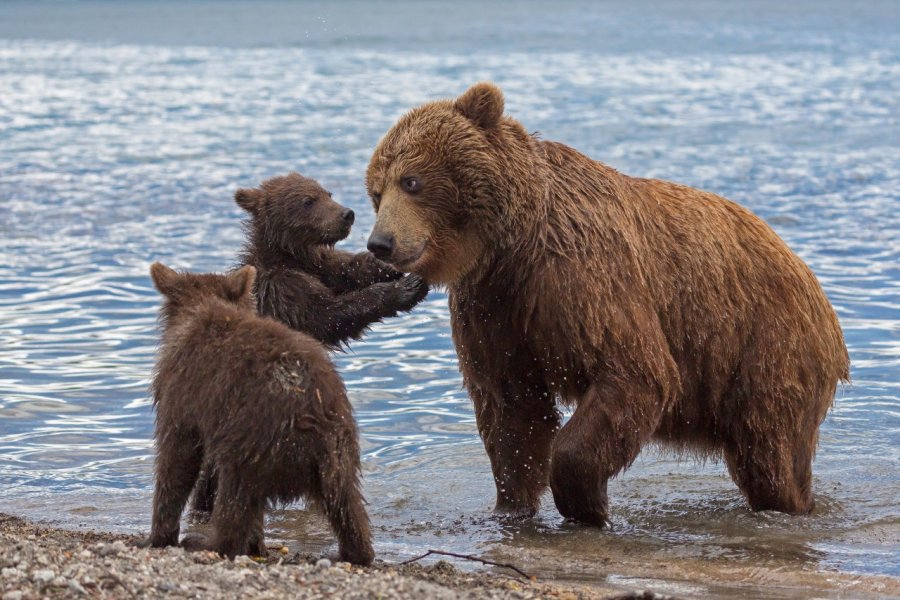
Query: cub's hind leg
pixel 177 466
pixel 238 516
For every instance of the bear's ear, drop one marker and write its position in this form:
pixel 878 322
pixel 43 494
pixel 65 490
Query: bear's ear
pixel 482 104
pixel 164 279
pixel 240 282
pixel 248 199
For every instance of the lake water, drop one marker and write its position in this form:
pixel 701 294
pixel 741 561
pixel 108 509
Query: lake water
pixel 126 127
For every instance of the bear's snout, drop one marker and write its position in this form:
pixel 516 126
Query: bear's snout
pixel 381 245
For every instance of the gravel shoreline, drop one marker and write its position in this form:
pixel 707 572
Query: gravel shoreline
pixel 43 562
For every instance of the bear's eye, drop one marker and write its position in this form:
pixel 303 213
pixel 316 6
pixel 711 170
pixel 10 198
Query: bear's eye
pixel 308 201
pixel 411 185
pixel 376 198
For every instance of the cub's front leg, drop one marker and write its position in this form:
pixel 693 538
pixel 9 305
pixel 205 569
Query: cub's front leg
pixel 344 272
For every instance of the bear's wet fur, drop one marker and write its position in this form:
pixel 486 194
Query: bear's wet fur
pixel 302 280
pixel 660 312
pixel 261 403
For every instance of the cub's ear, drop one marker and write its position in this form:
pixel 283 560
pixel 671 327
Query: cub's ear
pixel 482 104
pixel 248 199
pixel 240 282
pixel 164 279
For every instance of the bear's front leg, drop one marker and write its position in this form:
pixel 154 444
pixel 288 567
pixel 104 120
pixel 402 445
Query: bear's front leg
pixel 611 424
pixel 517 427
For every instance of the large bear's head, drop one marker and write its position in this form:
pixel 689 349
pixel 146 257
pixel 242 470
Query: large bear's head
pixel 440 181
pixel 292 212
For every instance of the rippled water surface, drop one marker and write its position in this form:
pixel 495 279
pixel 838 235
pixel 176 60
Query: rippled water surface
pixel 125 128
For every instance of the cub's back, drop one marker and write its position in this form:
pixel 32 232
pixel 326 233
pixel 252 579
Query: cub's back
pixel 226 364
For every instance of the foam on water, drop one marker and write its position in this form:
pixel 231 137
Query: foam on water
pixel 115 155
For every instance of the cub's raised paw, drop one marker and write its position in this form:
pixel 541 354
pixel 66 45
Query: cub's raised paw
pixel 410 290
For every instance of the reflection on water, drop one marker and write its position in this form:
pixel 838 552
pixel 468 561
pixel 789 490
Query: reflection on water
pixel 116 155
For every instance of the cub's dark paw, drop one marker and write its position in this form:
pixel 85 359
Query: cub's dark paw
pixel 156 541
pixel 362 556
pixel 194 542
pixel 410 290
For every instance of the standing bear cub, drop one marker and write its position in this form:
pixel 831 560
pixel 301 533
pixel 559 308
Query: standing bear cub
pixel 660 312
pixel 259 402
pixel 302 280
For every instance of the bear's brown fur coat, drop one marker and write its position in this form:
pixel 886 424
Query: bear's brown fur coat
pixel 659 311
pixel 259 402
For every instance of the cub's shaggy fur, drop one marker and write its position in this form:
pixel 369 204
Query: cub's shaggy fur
pixel 301 279
pixel 659 311
pixel 258 401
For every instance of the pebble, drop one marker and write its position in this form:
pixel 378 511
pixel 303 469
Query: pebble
pixel 43 576
pixel 12 595
pixel 117 547
pixel 76 587
pixel 323 563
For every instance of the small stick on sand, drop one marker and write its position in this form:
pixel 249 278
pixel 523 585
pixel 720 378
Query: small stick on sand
pixel 473 558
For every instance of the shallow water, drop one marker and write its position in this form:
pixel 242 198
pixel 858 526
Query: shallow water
pixel 125 128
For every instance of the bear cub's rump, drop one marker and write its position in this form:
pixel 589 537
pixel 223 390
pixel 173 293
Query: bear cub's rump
pixel 260 403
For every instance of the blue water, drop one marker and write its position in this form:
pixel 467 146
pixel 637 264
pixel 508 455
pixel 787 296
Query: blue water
pixel 126 127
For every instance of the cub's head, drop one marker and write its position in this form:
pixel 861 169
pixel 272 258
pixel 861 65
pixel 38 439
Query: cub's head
pixel 183 291
pixel 438 180
pixel 292 212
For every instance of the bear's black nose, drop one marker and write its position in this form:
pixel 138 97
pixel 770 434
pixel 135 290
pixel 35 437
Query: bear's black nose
pixel 348 216
pixel 380 245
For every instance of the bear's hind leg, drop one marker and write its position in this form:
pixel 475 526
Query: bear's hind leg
pixel 177 466
pixel 605 434
pixel 337 492
pixel 773 469
pixel 238 518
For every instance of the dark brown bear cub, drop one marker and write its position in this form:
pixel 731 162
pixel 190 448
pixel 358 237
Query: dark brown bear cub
pixel 261 403
pixel 302 280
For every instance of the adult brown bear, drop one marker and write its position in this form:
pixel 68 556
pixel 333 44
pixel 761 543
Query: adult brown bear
pixel 659 311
